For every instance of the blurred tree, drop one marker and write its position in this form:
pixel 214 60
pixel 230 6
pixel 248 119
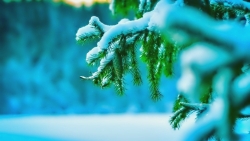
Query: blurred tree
pixel 210 36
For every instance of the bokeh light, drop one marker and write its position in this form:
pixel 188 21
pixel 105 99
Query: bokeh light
pixel 79 3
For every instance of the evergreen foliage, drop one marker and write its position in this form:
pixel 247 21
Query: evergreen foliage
pixel 159 52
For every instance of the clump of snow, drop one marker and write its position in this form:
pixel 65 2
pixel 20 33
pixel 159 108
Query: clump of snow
pixel 128 27
pixel 123 21
pixel 95 21
pixel 93 54
pixel 94 29
pixel 159 11
pixel 86 32
pixel 105 60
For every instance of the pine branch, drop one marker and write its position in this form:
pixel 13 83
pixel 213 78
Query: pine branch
pixel 150 48
pixel 137 80
pixel 195 106
pixel 206 97
pixel 169 58
pixel 203 107
pixel 123 7
pixel 179 116
pixel 180 112
pixel 162 31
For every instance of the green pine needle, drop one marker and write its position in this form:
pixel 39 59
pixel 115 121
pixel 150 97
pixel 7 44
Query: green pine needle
pixel 207 96
pixel 177 104
pixel 178 117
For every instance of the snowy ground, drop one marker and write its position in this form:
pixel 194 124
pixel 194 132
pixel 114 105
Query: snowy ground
pixel 124 127
pixel 144 127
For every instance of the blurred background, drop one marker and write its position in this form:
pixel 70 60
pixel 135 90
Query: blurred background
pixel 40 63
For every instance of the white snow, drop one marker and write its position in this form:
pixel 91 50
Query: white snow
pixel 87 31
pixel 142 127
pixel 123 20
pixel 156 21
pixel 122 127
pixel 94 28
pixel 123 29
pixel 104 61
pixel 95 21
pixel 92 54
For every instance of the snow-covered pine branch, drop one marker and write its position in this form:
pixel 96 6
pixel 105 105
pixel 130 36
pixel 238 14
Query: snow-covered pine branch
pixel 116 49
pixel 213 37
pixel 95 29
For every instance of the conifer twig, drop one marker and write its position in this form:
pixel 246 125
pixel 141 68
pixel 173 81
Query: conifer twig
pixel 195 106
